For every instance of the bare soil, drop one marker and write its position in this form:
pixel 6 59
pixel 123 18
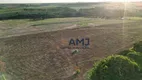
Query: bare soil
pixel 40 56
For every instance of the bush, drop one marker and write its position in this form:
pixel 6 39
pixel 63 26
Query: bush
pixel 115 68
pixel 138 47
pixel 136 56
pixel 125 52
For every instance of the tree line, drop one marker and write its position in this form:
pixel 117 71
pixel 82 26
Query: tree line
pixel 61 12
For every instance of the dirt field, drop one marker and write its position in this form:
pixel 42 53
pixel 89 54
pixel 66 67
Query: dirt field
pixel 26 26
pixel 40 56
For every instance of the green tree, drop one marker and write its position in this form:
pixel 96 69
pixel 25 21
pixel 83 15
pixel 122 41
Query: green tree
pixel 115 68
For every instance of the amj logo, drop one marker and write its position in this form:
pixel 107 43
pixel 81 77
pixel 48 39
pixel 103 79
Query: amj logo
pixel 84 42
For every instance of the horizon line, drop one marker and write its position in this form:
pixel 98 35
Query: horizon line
pixel 67 2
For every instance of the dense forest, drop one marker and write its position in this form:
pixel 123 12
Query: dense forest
pixel 43 11
pixel 35 12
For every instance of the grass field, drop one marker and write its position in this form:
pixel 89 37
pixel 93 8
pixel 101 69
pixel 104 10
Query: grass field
pixel 26 26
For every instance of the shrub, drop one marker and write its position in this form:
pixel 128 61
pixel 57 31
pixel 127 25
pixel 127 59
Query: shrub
pixel 125 52
pixel 136 56
pixel 115 68
pixel 138 46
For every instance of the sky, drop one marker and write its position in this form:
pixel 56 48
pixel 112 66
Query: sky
pixel 61 1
